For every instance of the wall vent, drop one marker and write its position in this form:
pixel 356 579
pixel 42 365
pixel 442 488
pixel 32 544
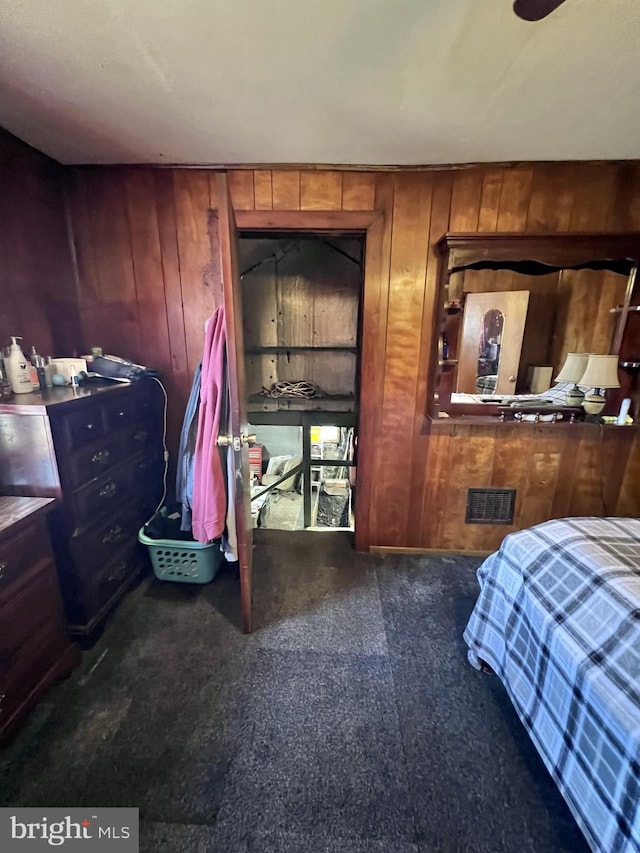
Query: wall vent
pixel 490 506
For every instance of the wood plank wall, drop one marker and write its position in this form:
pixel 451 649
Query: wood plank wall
pixel 37 283
pixel 140 236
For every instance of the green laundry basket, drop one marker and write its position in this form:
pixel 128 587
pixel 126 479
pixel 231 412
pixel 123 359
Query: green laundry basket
pixel 180 560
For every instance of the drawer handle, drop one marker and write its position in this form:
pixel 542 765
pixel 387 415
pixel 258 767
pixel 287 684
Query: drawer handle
pixel 3 567
pixel 108 491
pixel 116 534
pixel 144 466
pixel 121 414
pixel 141 435
pixel 101 457
pixel 89 426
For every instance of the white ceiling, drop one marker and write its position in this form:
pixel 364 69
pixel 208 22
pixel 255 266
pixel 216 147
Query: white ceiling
pixel 383 82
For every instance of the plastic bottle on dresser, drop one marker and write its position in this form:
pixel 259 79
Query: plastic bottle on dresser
pixel 17 368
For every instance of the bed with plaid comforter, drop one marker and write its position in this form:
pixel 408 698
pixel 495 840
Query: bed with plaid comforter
pixel 558 620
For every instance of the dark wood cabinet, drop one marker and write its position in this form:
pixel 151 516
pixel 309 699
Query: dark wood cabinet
pixel 35 648
pixel 99 450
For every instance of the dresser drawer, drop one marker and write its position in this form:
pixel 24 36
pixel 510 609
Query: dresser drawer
pixel 95 584
pixel 103 496
pixel 35 604
pixel 18 553
pixel 29 667
pixel 93 547
pixel 88 463
pixel 83 426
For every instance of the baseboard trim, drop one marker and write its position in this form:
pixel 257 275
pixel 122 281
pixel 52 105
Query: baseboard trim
pixel 383 549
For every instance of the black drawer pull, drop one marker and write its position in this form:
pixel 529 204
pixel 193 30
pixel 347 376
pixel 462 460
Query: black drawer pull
pixel 141 435
pixel 3 567
pixel 101 457
pixel 116 534
pixel 108 491
pixel 144 466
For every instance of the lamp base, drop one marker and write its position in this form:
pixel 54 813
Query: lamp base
pixel 593 404
pixel 574 397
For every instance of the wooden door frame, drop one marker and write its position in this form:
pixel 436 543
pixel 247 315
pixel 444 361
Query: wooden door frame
pixel 370 224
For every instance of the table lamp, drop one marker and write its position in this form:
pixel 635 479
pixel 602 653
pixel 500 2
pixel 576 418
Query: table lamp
pixel 572 371
pixel 600 373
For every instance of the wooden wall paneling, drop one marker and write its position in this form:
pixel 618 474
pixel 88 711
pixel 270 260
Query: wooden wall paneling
pixel 552 197
pixel 409 248
pixel 624 213
pixel 147 268
pixel 511 459
pixel 514 199
pixel 37 288
pixel 46 234
pixel 594 196
pixel 192 200
pixel 544 456
pixel 120 332
pixel 465 200
pixel 262 189
pixel 88 285
pixel 241 189
pixel 454 493
pixel 617 445
pixel 336 284
pixel 421 497
pixel 628 503
pixel 285 187
pixel 172 285
pixel 358 190
pixel 588 497
pixel 373 342
pixel 490 199
pixel 436 473
pixel 482 445
pixel 321 190
pixel 563 496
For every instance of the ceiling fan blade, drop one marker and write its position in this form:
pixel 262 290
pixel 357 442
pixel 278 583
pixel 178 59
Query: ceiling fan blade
pixel 535 10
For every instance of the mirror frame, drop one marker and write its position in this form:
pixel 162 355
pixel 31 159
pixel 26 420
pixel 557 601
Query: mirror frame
pixel 536 254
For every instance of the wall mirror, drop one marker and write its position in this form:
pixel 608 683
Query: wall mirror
pixel 538 296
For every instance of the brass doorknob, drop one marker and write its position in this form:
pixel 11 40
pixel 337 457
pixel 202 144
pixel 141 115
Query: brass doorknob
pixel 224 440
pixel 248 439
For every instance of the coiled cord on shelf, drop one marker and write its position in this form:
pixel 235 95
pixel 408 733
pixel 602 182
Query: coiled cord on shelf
pixel 293 389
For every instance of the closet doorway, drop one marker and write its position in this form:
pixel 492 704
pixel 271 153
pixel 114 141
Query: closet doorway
pixel 301 300
pixel 358 409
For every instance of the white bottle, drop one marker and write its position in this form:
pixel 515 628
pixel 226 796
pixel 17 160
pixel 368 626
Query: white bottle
pixel 18 369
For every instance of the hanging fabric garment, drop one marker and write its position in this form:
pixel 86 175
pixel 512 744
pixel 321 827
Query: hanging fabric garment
pixel 230 539
pixel 186 452
pixel 209 507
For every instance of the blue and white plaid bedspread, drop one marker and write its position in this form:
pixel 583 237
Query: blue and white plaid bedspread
pixel 558 619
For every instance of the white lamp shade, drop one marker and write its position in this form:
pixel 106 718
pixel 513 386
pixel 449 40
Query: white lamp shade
pixel 573 368
pixel 601 372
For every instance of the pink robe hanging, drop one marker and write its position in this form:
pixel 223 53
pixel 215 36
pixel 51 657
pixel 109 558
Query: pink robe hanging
pixel 209 480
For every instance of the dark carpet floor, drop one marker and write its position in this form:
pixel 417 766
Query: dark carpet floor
pixel 349 722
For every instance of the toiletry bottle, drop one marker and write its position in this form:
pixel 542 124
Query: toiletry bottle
pixel 18 369
pixel 5 385
pixel 42 372
pixel 49 370
pixel 33 370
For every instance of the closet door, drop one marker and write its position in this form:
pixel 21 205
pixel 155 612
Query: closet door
pixel 224 246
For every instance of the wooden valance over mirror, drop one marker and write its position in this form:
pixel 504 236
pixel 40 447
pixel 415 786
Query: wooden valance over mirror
pixel 510 303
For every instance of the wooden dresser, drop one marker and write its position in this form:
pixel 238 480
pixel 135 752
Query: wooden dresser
pixel 98 449
pixel 35 648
